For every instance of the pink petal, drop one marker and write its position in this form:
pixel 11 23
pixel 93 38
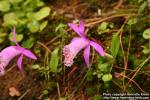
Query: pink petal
pixel 86 55
pixel 26 52
pixel 19 63
pixel 98 48
pixel 74 27
pixel 14 37
pixel 81 27
pixel 29 54
pixel 79 30
pixel 75 38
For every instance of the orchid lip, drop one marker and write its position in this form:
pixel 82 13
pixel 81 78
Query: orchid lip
pixel 72 49
pixel 6 55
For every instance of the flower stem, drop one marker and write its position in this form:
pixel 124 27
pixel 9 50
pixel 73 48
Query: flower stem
pixel 149 44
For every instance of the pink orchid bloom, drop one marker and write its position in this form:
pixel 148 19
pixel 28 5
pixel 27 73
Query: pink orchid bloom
pixel 79 43
pixel 7 54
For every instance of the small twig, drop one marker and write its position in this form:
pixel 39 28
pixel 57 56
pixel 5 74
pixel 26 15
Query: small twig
pixel 129 44
pixel 24 94
pixel 58 90
pixel 72 71
pixel 133 82
pixel 119 4
pixel 121 44
pixel 52 40
pixel 43 45
pixel 118 85
pixel 99 20
pixel 145 74
pixel 11 68
pixel 82 81
pixel 138 69
pixel 122 48
pixel 130 69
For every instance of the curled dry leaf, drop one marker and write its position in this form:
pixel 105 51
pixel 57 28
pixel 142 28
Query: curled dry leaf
pixel 13 92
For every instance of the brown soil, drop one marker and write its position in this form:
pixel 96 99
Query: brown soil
pixel 28 87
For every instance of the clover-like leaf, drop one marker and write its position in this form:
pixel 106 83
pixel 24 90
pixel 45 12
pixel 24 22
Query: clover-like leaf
pixel 10 19
pixel 146 34
pixel 28 43
pixel 103 67
pixel 19 37
pixel 107 77
pixel 132 21
pixel 4 6
pixel 42 13
pixel 33 26
pixel 43 25
pixel 2 37
pixel 103 28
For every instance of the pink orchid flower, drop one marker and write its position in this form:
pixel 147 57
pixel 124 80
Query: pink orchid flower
pixel 7 54
pixel 79 43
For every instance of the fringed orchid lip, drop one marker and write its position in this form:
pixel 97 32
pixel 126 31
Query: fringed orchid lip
pixel 68 56
pixel 6 55
pixel 77 44
pixel 71 50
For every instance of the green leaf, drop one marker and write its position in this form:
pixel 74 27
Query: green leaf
pixel 42 13
pixel 96 97
pixel 33 26
pixel 132 21
pixel 45 92
pixel 89 75
pixel 43 25
pixel 103 28
pixel 145 50
pixel 103 67
pixel 99 75
pixel 4 6
pixel 2 37
pixel 15 1
pixel 115 45
pixel 107 77
pixel 60 27
pixel 19 37
pixel 22 21
pixel 40 3
pixel 2 40
pixel 146 34
pixel 63 98
pixel 142 7
pixel 30 16
pixel 10 19
pixel 54 61
pixel 36 66
pixel 29 43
